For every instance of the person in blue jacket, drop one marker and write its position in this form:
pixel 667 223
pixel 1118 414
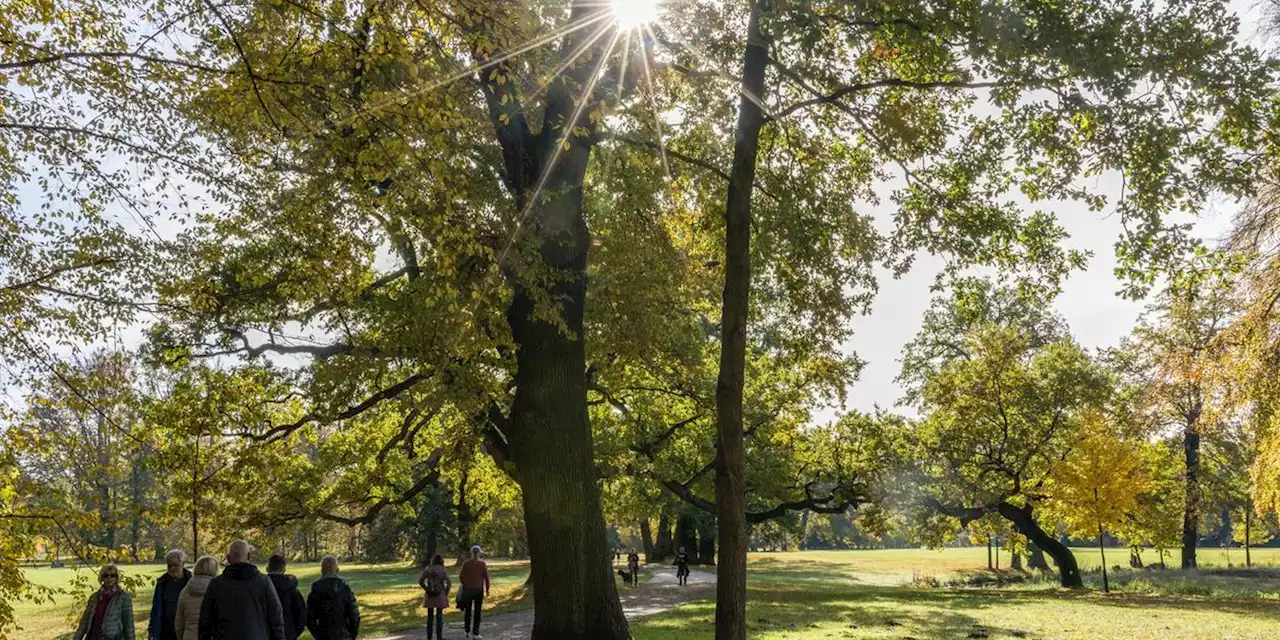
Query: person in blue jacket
pixel 164 603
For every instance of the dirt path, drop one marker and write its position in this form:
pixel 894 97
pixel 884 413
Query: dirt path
pixel 660 593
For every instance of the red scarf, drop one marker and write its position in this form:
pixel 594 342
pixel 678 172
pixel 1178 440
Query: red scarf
pixel 100 613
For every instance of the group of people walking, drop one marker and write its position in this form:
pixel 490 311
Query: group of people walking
pixel 244 604
pixel 631 575
pixel 474 580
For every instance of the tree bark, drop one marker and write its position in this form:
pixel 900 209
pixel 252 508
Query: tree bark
pixel 433 539
pixel 1135 557
pixel 1015 562
pixel 548 435
pixel 1191 514
pixel 990 565
pixel 687 535
pixel 1037 560
pixel 707 543
pixel 731 486
pixel 646 539
pixel 1023 520
pixel 662 548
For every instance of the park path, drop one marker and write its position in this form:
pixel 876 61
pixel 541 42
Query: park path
pixel 660 593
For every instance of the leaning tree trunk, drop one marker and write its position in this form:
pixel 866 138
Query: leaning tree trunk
pixel 1191 514
pixel 731 483
pixel 1025 523
pixel 1135 557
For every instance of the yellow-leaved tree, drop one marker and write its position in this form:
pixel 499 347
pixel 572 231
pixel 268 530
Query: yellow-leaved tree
pixel 1099 484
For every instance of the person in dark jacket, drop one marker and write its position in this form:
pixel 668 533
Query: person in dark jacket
pixel 164 603
pixel 294 607
pixel 332 612
pixel 241 604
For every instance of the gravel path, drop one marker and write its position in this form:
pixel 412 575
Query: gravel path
pixel 656 595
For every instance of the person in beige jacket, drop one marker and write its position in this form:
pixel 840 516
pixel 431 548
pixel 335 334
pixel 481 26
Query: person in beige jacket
pixel 187 620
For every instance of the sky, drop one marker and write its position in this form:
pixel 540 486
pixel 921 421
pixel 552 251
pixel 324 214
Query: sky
pixel 1096 315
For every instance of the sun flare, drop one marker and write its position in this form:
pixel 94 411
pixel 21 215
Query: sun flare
pixel 633 14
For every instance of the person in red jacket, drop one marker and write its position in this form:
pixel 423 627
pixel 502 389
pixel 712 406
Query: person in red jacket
pixel 474 578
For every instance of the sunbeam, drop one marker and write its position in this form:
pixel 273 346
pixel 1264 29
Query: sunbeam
pixel 569 127
pixel 706 60
pixel 653 106
pixel 633 14
pixel 540 41
pixel 570 59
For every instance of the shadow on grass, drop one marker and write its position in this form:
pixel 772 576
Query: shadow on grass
pixel 781 607
pixel 801 571
pixel 785 611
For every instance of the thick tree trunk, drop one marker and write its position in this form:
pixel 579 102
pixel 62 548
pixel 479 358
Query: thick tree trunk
pixel 550 434
pixel 1025 523
pixel 1191 514
pixel 662 548
pixel 731 484
pixel 433 539
pixel 687 535
pixel 707 543
pixel 646 539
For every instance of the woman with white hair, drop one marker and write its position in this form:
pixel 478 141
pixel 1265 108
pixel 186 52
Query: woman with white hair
pixel 164 604
pixel 187 620
pixel 109 613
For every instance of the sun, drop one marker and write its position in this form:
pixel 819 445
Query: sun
pixel 633 14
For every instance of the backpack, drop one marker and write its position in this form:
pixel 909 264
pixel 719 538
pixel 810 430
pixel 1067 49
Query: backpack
pixel 436 584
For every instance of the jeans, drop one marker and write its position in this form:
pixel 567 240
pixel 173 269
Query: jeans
pixel 471 600
pixel 435 617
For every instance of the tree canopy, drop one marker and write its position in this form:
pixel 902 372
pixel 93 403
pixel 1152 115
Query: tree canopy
pixel 388 251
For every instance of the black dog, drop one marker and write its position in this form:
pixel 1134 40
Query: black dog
pixel 628 577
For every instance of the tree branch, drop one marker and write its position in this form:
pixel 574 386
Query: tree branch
pixel 276 433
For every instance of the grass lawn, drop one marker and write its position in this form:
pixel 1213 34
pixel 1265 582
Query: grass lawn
pixel 389 597
pixel 856 594
pixel 868 594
